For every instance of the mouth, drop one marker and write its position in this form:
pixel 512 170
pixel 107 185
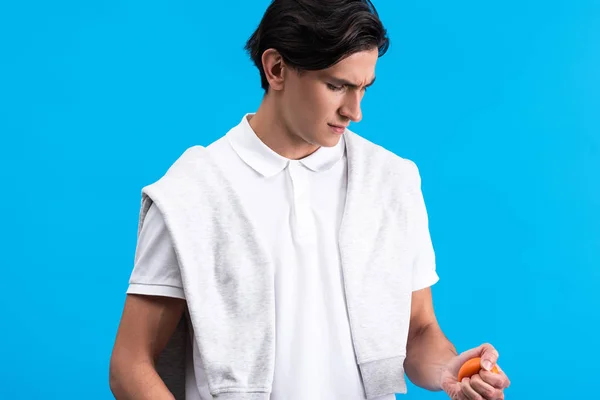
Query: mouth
pixel 339 129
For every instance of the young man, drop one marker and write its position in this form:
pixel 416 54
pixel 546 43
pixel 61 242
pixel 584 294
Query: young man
pixel 298 252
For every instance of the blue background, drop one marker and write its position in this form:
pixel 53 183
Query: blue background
pixel 497 102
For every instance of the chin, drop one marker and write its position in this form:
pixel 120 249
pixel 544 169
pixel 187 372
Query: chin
pixel 330 141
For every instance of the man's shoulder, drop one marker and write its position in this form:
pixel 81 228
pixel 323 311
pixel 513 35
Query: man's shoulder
pixel 195 155
pixel 194 164
pixel 380 156
pixel 189 158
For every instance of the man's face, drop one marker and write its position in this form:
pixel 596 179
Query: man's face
pixel 318 105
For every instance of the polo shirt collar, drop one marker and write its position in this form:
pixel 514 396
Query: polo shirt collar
pixel 267 162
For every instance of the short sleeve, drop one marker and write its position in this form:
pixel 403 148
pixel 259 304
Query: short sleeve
pixel 156 270
pixel 424 265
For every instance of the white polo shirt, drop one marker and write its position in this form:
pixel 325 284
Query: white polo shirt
pixel 296 206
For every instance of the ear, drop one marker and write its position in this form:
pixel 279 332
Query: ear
pixel 274 68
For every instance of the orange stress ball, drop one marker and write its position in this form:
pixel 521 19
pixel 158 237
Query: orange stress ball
pixel 472 367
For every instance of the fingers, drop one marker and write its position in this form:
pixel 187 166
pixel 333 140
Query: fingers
pixel 455 392
pixel 484 389
pixel 475 389
pixel 489 356
pixel 461 396
pixel 471 353
pixel 506 380
pixel 464 396
pixel 498 381
pixel 486 385
pixel 468 391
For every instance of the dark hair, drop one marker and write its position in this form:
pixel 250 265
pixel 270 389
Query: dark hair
pixel 316 34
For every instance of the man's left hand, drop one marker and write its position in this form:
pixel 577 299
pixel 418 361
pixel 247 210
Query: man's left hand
pixel 485 385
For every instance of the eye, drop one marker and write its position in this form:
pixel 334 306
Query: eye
pixel 334 88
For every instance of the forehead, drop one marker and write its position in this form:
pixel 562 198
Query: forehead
pixel 358 67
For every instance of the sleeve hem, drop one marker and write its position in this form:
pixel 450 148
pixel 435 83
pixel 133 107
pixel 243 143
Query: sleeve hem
pixel 156 290
pixel 425 280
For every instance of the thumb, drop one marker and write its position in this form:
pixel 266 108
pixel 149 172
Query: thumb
pixel 489 356
pixel 486 351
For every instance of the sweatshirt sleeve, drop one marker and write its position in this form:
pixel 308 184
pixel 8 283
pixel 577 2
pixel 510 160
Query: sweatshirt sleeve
pixel 156 270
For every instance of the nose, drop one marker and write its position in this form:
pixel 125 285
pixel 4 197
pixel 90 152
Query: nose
pixel 350 109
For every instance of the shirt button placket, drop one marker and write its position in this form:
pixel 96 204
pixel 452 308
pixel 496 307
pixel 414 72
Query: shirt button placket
pixel 301 201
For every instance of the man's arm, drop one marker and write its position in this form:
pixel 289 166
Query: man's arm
pixel 145 329
pixel 428 350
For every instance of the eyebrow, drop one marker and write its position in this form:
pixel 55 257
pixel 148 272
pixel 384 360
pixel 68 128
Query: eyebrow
pixel 349 84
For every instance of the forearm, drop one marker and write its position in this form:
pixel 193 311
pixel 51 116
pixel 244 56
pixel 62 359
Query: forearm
pixel 427 352
pixel 139 381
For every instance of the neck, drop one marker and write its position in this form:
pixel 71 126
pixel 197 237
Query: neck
pixel 272 130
